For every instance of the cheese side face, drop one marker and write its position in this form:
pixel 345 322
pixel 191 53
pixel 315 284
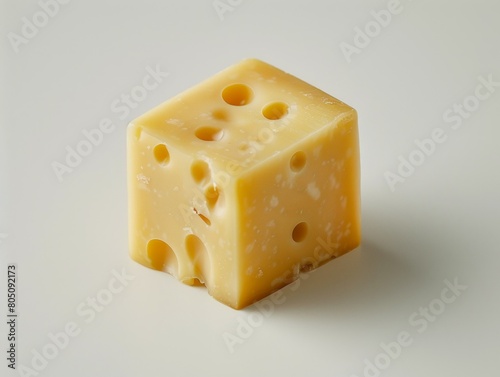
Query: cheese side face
pixel 243 182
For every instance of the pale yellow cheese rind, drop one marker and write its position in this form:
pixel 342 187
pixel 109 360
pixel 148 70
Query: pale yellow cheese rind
pixel 243 181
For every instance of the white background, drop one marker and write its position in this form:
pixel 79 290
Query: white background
pixel 441 223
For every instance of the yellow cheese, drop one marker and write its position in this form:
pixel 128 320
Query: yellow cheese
pixel 244 181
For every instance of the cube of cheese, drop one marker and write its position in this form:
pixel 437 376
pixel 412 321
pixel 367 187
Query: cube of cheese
pixel 244 181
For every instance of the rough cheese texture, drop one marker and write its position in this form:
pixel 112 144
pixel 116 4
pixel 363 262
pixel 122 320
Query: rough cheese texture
pixel 244 181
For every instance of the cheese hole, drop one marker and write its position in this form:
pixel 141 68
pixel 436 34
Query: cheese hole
pixel 205 219
pixel 138 132
pixel 243 147
pixel 162 257
pixel 298 161
pixel 200 171
pixel 161 154
pixel 197 283
pixel 237 94
pixel 299 232
pixel 198 254
pixel 220 114
pixel 275 110
pixel 307 266
pixel 193 281
pixel 212 195
pixel 209 133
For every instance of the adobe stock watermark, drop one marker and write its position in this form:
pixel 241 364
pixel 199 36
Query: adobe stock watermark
pixel 221 7
pixel 419 321
pixel 94 137
pixel 454 117
pixel 86 311
pixel 31 26
pixel 372 29
pixel 247 324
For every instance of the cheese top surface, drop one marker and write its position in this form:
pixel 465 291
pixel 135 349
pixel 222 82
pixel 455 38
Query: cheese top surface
pixel 249 112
